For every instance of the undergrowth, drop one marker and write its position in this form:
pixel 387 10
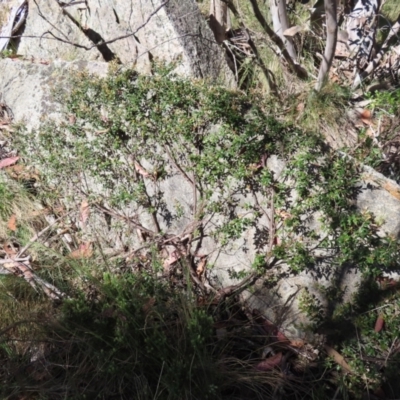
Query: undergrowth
pixel 137 318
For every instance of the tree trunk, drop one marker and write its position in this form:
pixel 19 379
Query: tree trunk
pixel 361 29
pixel 294 66
pixel 281 23
pixel 331 39
pixel 219 19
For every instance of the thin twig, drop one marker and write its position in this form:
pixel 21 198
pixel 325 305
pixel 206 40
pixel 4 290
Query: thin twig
pixel 237 289
pixel 259 206
pixel 173 162
pixel 13 260
pixel 271 223
pixel 38 235
pixel 130 220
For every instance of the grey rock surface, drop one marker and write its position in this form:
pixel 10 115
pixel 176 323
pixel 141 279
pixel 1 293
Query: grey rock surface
pixel 133 32
pixel 29 87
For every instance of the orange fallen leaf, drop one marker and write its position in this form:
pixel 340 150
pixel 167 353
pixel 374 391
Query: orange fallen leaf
pixel 84 212
pixel 366 114
pixel 8 161
pixel 201 266
pixel 85 250
pixel 297 343
pixel 380 322
pixel 141 170
pixel 338 358
pixel 269 363
pixel 12 223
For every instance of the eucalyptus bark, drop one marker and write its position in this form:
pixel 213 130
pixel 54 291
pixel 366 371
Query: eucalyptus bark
pixel 219 19
pixel 331 40
pixel 294 66
pixel 280 22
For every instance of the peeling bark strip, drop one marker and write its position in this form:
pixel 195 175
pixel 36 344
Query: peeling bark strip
pixel 331 39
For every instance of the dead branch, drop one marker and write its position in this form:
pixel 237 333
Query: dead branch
pixel 234 290
pixel 21 267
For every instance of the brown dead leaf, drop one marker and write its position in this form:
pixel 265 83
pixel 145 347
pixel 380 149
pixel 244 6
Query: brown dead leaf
pixel 293 30
pixel 297 343
pixel 300 107
pixel 201 266
pixel 84 212
pixel 12 223
pixel 338 358
pixel 367 121
pixel 284 214
pixel 380 322
pixel 172 259
pixel 269 363
pixel 282 338
pixel 85 250
pixel 8 161
pixel 366 114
